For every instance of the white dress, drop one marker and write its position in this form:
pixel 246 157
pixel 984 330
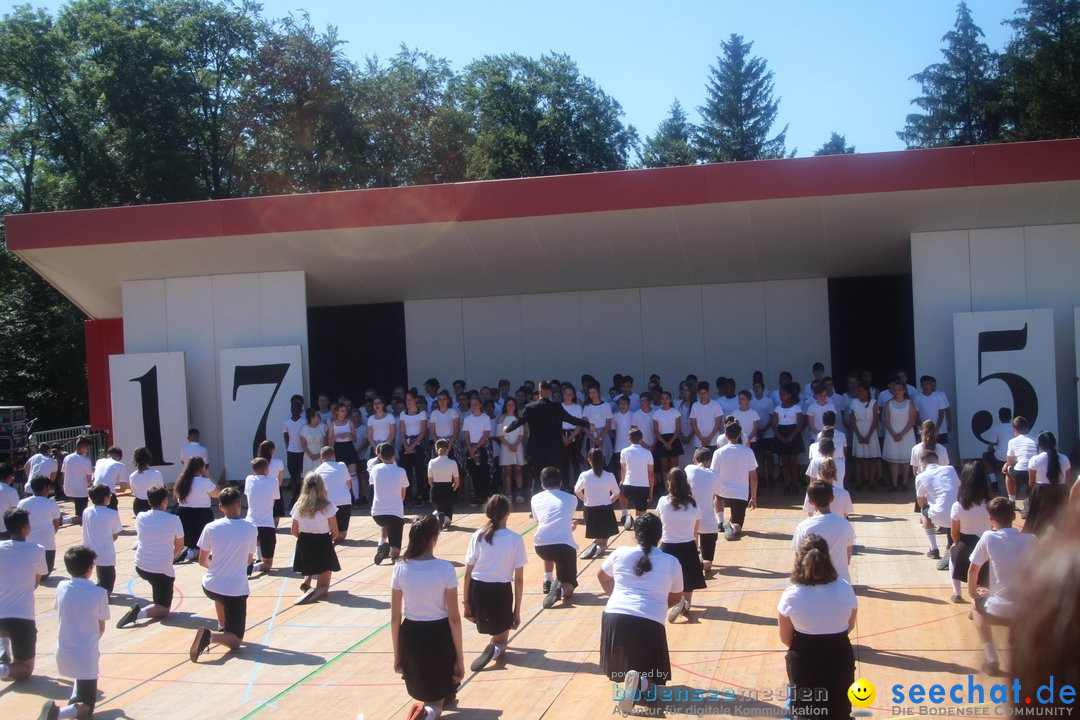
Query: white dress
pixel 506 455
pixel 315 438
pixel 898 452
pixel 863 414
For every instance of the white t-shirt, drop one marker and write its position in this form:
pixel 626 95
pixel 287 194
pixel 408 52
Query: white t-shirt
pixel 1021 447
pixel 787 415
pixel 9 498
pixel 703 485
pixel 276 469
pixel 732 465
pixel 77 474
pixel 644 596
pixel 496 561
pixel 410 424
pixel 728 405
pixel 140 482
pixel 42 511
pixel 705 417
pixel 318 524
pixel 292 428
pixel 938 484
pixel 928 407
pixel 598 490
pixel 764 407
pixel 193 449
pixel 554 512
pixel 917 453
pixel 82 607
pixel 157 531
pixel 41 465
pixel 635 402
pixel 643 421
pixel 261 492
pixel 475 426
pixel 380 427
pixel 388 482
pixel 622 422
pixel 108 472
pixel 442 469
pixel 443 422
pixel 571 409
pixel 1010 553
pixel 230 543
pixel 423 585
pixel 1000 436
pixel 841 504
pixel 100 524
pixel 638 462
pixel 20 563
pixel 819 609
pixel 814 413
pixel 599 415
pixel 335 476
pixel 665 419
pixel 973 521
pixel 813 470
pixel 678 524
pixel 199 494
pixel 837 532
pixel 746 419
pixel 1040 463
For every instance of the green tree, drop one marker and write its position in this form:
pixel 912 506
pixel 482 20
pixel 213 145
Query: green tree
pixel 538 117
pixel 1042 70
pixel 961 95
pixel 672 142
pixel 739 109
pixel 835 145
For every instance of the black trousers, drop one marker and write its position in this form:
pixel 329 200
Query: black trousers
pixel 294 461
pixel 415 466
pixel 537 463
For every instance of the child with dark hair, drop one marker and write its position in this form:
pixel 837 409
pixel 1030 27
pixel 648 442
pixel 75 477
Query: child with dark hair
pixel 970 519
pixel 9 496
pixel 83 609
pixel 554 540
pixel 22 565
pixel 736 481
pixel 45 518
pixel 681 518
pixel 160 536
pixel 100 527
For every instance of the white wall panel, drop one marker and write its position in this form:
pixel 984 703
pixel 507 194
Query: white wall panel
pixel 611 337
pixel 144 316
pixel 998 280
pixel 797 326
pixel 734 338
pixel 493 347
pixel 671 324
pixel 553 332
pixel 237 317
pixel 940 286
pixel 283 313
pixel 434 344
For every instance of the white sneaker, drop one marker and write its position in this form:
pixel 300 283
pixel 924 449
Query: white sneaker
pixel 631 691
pixel 676 610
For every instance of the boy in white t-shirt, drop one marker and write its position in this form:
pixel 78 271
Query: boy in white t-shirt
pixel 22 565
pixel 705 418
pixel 83 609
pixel 816 410
pixel 622 419
pixel 933 405
pixel 192 448
pixel 78 471
pixel 702 481
pixel 100 527
pixel 261 491
pixel 554 539
pixel 825 470
pixel 636 464
pixel 444 479
pixel 109 471
pixel 9 496
pixel 736 481
pixel 837 531
pixel 936 488
pixel 997 449
pixel 1021 449
pixel 45 518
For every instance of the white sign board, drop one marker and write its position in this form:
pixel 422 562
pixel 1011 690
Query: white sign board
pixel 149 407
pixel 1003 359
pixel 256 384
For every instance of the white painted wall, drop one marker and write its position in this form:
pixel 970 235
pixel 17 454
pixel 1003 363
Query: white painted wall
pixel 710 330
pixel 200 316
pixel 997 269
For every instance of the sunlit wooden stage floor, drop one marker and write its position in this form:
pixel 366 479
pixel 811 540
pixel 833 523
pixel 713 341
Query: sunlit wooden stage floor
pixel 334 658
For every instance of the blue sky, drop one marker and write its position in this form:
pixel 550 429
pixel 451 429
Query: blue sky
pixel 838 65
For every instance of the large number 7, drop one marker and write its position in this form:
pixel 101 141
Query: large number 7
pixel 1025 401
pixel 260 375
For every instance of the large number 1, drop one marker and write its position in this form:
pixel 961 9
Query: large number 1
pixel 1025 400
pixel 151 415
pixel 260 375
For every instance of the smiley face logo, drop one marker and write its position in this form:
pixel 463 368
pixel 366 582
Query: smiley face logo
pixel 861 693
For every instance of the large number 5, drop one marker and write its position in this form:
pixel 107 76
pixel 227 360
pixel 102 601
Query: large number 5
pixel 260 375
pixel 1025 401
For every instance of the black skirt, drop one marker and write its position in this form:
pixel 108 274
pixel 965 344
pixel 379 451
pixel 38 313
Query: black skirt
pixel 315 554
pixel 345 452
pixel 676 447
pixel 693 574
pixel 427 656
pixel 492 606
pixel 600 522
pixel 794 447
pixel 628 642
pixel 193 521
pixel 961 559
pixel 820 661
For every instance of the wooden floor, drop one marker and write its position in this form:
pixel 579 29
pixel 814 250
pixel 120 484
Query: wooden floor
pixel 334 658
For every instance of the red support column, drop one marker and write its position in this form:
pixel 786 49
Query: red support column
pixel 103 338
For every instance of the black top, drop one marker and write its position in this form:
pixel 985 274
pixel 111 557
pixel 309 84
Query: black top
pixel 545 418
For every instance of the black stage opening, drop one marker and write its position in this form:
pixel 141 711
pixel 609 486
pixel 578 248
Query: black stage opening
pixel 872 324
pixel 353 347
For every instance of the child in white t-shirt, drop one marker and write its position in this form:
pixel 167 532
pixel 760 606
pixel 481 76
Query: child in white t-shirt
pixel 100 527
pixel 841 504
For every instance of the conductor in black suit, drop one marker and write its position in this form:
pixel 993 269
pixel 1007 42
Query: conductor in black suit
pixel 545 418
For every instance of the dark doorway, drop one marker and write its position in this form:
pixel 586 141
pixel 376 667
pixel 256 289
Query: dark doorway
pixel 872 324
pixel 353 347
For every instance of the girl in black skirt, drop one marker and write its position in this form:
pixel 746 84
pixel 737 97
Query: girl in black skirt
pixel 815 616
pixel 681 520
pixel 787 423
pixel 194 490
pixel 424 622
pixel 1049 492
pixel 641 584
pixel 598 489
pixel 970 519
pixel 444 480
pixel 667 429
pixel 314 525
pixel 494 558
pixel 341 435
